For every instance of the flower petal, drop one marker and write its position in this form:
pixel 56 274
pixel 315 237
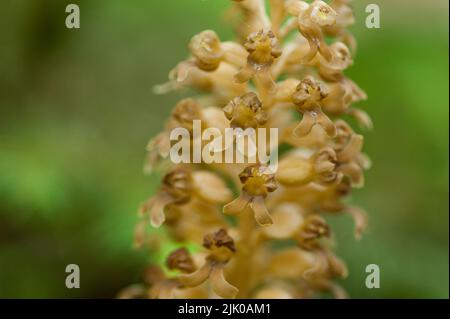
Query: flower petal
pixel 326 123
pixel 196 278
pixel 353 147
pixel 361 220
pixel 305 126
pixel 219 284
pixel 237 205
pixel 262 215
pixel 287 219
pixel 157 216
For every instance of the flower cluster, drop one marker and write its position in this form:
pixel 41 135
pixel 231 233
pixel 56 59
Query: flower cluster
pixel 286 71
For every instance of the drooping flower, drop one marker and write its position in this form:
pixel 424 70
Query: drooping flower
pixel 344 19
pixel 184 113
pixel 312 19
pixel 221 247
pixel 179 186
pixel 257 182
pixel 245 111
pixel 263 48
pixel 308 97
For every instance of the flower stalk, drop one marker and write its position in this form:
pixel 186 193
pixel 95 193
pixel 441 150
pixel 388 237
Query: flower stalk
pixel 285 70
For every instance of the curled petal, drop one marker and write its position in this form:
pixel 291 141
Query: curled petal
pixel 286 89
pixel 324 50
pixel 139 234
pixel 313 49
pixel 219 285
pixel 352 148
pixel 262 215
pixel 274 293
pixel 362 118
pixel 196 278
pixel 183 69
pixel 163 290
pixel 157 216
pixel 338 292
pixel 246 145
pixel 305 126
pixel 157 148
pixel 287 219
pixel 361 220
pixel 295 170
pixel 298 260
pixel 354 172
pixel 237 205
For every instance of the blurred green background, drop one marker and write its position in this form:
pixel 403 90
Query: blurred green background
pixel 77 109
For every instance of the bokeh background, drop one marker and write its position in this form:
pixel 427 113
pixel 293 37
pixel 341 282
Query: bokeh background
pixel 77 109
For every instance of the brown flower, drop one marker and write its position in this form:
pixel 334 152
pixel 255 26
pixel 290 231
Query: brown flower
pixel 221 248
pixel 257 182
pixel 263 48
pixel 308 97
